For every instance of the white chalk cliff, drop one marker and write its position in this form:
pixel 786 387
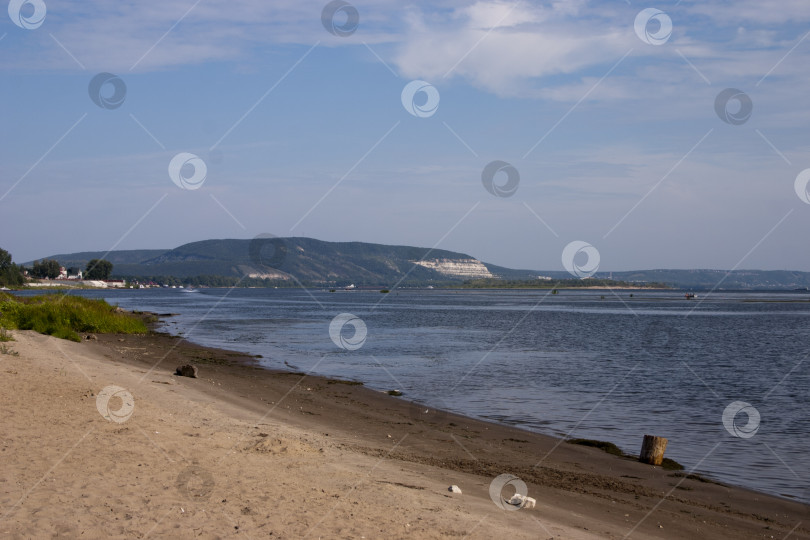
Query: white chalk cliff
pixel 462 268
pixel 266 273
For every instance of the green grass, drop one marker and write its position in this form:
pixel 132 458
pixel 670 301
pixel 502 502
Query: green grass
pixel 5 336
pixel 695 477
pixel 671 465
pixel 65 316
pixel 341 381
pixel 605 446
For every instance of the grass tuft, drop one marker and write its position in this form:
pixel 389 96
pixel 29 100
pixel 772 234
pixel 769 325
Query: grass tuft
pixel 5 335
pixel 697 477
pixel 605 446
pixel 65 316
pixel 671 465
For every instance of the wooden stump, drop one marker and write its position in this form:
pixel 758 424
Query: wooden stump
pixel 652 450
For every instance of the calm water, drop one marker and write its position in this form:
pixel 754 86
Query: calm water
pixel 570 364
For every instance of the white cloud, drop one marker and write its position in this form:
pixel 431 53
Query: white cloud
pixel 486 15
pixel 115 36
pixel 750 11
pixel 523 50
pixel 504 47
pixel 498 58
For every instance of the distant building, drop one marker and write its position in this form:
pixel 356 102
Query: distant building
pixel 64 274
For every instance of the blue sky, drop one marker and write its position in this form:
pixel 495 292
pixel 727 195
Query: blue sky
pixel 303 133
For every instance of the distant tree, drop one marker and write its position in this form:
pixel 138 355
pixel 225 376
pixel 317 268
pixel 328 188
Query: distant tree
pixel 10 273
pixel 46 269
pixel 5 260
pixel 73 271
pixel 98 269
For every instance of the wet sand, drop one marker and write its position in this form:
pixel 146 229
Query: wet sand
pixel 242 450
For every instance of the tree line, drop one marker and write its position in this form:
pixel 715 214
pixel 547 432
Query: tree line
pixel 10 274
pixel 13 275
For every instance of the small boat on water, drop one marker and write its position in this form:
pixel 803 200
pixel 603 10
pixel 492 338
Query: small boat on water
pixel 690 296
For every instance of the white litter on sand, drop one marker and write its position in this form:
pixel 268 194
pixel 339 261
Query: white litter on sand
pixel 522 501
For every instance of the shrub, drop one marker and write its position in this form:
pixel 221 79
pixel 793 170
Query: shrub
pixel 5 336
pixel 65 316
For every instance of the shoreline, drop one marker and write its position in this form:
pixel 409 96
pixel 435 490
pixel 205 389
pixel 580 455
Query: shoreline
pixel 670 465
pixel 411 454
pixel 701 289
pixel 250 361
pixel 155 319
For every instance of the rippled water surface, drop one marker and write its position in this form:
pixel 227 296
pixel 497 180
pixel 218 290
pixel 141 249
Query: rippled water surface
pixel 573 364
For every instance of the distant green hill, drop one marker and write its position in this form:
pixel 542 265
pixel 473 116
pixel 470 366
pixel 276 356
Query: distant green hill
pixel 310 261
pixel 304 259
pixel 132 256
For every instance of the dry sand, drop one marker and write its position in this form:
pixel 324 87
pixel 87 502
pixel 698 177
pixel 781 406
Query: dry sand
pixel 242 451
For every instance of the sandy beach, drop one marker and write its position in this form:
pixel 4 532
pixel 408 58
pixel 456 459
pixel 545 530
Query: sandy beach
pixel 101 439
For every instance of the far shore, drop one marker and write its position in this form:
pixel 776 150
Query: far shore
pixel 68 285
pixel 243 449
pixel 56 285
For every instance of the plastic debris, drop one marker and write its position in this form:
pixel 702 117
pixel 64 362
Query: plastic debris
pixel 522 501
